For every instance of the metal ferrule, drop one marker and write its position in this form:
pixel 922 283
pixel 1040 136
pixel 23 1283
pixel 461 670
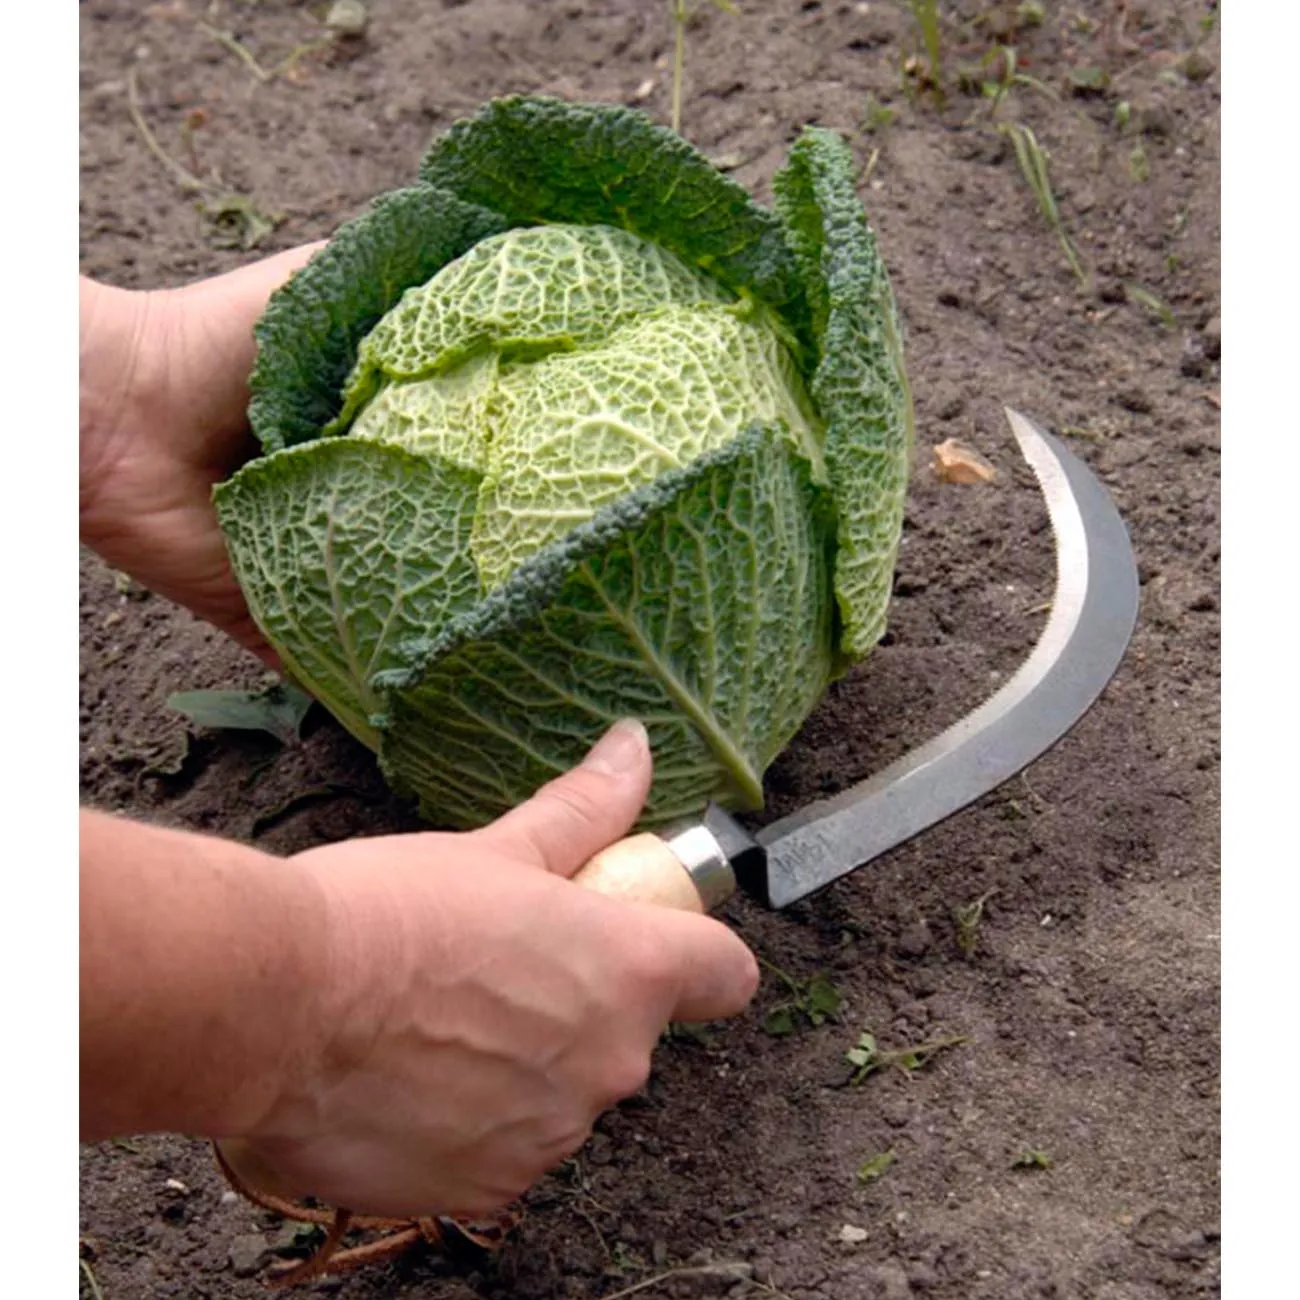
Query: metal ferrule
pixel 707 865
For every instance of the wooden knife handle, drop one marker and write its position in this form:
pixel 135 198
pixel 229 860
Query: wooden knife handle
pixel 685 869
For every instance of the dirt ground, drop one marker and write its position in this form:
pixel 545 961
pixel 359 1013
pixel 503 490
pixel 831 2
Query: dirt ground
pixel 1088 1005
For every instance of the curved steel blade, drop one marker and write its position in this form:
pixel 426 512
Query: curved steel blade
pixel 1093 613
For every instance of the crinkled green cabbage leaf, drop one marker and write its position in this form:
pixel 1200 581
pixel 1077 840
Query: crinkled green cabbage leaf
pixel 573 429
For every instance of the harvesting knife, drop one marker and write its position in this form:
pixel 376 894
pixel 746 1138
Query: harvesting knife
pixel 698 866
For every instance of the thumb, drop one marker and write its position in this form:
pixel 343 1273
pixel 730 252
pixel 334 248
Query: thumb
pixel 575 816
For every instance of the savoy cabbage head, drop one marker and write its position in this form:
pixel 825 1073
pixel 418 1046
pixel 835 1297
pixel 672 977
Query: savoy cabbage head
pixel 573 429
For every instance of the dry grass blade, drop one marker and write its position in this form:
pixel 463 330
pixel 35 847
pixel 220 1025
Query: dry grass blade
pixel 91 1281
pixel 231 42
pixel 183 175
pixel 679 62
pixel 681 17
pixel 1033 166
pixel 1151 303
pixel 233 220
pixel 737 1272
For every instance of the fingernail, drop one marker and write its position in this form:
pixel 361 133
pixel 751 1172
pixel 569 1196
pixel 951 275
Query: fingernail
pixel 620 750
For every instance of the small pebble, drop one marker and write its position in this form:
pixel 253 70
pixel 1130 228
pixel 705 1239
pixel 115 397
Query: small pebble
pixel 347 18
pixel 248 1254
pixel 1212 337
pixel 915 941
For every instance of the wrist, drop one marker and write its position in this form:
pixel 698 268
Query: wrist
pixel 349 966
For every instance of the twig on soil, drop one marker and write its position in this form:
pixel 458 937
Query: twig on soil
pixel 736 1272
pixel 287 68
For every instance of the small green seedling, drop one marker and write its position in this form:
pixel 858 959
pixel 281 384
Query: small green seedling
pixel 812 1002
pixel 1156 306
pixel 1032 1158
pixel 1139 165
pixel 868 1056
pixel 876 117
pixel 926 13
pixel 875 1167
pixel 968 920
pixel 1033 166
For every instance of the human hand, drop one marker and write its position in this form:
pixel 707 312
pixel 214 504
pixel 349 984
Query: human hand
pixel 483 1010
pixel 164 397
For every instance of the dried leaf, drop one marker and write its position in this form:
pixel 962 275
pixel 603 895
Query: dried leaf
pixel 955 462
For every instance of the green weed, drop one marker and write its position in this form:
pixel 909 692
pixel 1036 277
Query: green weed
pixel 1032 1158
pixel 1156 306
pixel 876 117
pixel 968 920
pixel 812 1002
pixel 926 14
pixel 868 1057
pixel 874 1167
pixel 1033 167
pixel 1139 165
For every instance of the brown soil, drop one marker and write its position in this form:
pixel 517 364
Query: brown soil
pixel 1090 1002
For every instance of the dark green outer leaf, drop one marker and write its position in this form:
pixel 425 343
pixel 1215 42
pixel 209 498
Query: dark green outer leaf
pixel 535 160
pixel 860 384
pixel 278 710
pixel 346 551
pixel 701 604
pixel 308 336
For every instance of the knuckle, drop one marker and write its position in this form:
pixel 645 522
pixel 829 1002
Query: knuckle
pixel 572 799
pixel 648 965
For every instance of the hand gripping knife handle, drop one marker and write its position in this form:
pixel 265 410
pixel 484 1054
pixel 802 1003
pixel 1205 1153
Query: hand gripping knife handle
pixel 694 866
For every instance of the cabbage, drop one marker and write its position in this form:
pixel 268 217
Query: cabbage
pixel 573 429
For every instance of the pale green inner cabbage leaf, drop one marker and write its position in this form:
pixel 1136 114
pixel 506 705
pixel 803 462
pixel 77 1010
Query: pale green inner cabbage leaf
pixel 570 365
